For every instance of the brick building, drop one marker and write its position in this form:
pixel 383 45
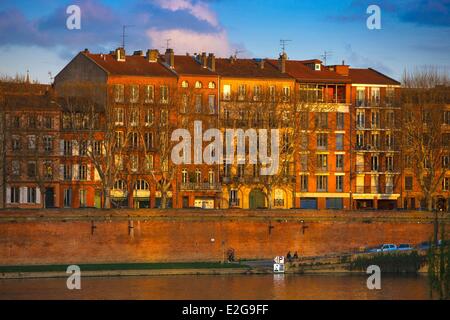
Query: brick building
pixel 112 117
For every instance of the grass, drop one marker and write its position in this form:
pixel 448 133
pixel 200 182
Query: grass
pixel 390 262
pixel 122 266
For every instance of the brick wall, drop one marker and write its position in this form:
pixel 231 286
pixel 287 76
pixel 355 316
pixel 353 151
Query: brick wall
pixel 156 239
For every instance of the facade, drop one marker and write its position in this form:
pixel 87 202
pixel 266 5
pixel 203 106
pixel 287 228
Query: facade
pixel 103 137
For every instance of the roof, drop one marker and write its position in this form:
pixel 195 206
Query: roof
pixel 301 72
pixel 187 65
pixel 134 65
pixel 247 68
pixel 371 76
pixel 28 101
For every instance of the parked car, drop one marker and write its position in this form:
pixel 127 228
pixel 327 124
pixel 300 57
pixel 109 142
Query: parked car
pixel 424 245
pixel 404 247
pixel 383 248
pixel 375 249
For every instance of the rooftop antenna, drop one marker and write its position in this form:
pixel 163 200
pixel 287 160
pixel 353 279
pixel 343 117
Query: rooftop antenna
pixel 168 43
pixel 326 55
pixel 283 44
pixel 236 52
pixel 124 28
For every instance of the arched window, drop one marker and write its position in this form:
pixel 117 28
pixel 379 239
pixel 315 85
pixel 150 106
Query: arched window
pixel 211 85
pixel 198 85
pixel 141 185
pixel 184 176
pixel 120 185
pixel 185 84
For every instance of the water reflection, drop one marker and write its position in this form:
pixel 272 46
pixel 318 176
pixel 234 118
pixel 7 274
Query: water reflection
pixel 228 287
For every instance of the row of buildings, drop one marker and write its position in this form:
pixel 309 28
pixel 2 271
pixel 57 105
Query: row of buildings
pixel 340 145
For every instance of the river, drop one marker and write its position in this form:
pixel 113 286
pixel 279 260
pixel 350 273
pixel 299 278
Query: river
pixel 227 287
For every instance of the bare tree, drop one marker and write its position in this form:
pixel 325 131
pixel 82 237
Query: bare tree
pixel 425 138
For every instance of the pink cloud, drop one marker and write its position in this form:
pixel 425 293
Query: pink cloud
pixel 198 9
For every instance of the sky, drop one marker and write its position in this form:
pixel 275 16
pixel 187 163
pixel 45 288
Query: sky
pixel 414 33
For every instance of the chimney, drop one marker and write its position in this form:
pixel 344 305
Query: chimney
pixel 212 62
pixel 342 70
pixel 120 54
pixel 282 62
pixel 232 59
pixel 261 63
pixel 203 60
pixel 170 58
pixel 138 53
pixel 152 55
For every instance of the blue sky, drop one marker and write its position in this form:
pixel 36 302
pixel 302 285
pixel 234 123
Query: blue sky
pixel 414 33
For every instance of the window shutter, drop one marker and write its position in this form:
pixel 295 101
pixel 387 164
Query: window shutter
pixel 23 195
pixel 8 194
pixel 75 148
pixel 96 175
pixel 75 172
pixel 61 172
pixel 38 195
pixel 61 147
pixel 88 172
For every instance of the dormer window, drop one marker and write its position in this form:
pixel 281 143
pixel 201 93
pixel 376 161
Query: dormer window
pixel 317 67
pixel 211 85
pixel 198 85
pixel 185 84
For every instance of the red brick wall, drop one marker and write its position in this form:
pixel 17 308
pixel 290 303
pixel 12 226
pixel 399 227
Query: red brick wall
pixel 169 239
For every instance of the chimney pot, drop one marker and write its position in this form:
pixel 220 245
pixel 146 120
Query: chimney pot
pixel 170 58
pixel 282 63
pixel 120 54
pixel 212 62
pixel 152 55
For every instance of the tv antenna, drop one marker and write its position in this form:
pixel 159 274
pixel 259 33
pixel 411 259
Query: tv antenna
pixel 326 55
pixel 124 28
pixel 283 44
pixel 168 43
pixel 236 52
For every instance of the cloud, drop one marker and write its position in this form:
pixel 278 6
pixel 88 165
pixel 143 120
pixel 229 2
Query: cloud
pixel 183 40
pixel 357 60
pixel 198 9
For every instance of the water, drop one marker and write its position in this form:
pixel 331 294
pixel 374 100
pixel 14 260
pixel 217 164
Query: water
pixel 227 287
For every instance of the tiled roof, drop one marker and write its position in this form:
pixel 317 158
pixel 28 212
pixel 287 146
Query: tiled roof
pixel 134 65
pixel 28 101
pixel 298 70
pixel 247 68
pixel 370 76
pixel 186 65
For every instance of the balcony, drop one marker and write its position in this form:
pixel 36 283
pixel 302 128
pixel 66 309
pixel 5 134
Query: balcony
pixel 206 186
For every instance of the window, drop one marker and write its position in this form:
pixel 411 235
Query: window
pixel 15 168
pixel 185 84
pixel 16 122
pixel 390 119
pixel 446 184
pixel 15 143
pixel 256 93
pixel 32 122
pixel 48 143
pixel 446 162
pixel 134 93
pixel 360 97
pixel 120 185
pixel 374 163
pixel 339 183
pixel 149 94
pixel 184 103
pixel 198 176
pixel 241 92
pixel 446 117
pixel 211 177
pixel 304 162
pixel 389 140
pixel 148 119
pixel 31 142
pixel 15 195
pixel 134 140
pixel 31 195
pixel 148 139
pixel 304 120
pixel 272 93
pixel 118 92
pixel 322 183
pixel 83 172
pixel 212 104
pixel 322 141
pixel 339 141
pixel 390 96
pixel 67 147
pixel 389 163
pixel 83 198
pixel 198 85
pixel 226 92
pixel 67 172
pixel 164 117
pixel 211 85
pixel 48 170
pixel 340 120
pixel 340 162
pixel 83 148
pixel 322 161
pixel 31 169
pixel 134 117
pixel 97 148
pixel 375 96
pixel 322 120
pixel 149 162
pixel 67 197
pixel 359 139
pixel 226 169
pixel 409 183
pixel 198 103
pixel 184 176
pixel 241 170
pixel 375 140
pixel 408 161
pixel 286 93
pixel 375 119
pixel 48 122
pixel 119 116
pixel 360 119
pixel 304 182
pixel 164 94
pixel 119 139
